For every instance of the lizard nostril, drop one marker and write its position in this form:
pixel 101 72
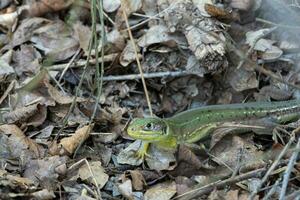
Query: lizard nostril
pixel 133 129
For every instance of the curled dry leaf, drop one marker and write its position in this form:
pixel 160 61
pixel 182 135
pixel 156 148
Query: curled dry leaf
pixel 19 145
pixel 45 6
pixel 128 55
pixel 209 50
pixel 93 173
pixel 14 181
pixel 68 145
pixel 83 35
pixel 32 114
pixel 235 151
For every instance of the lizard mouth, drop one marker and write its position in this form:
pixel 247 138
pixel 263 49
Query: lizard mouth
pixel 144 135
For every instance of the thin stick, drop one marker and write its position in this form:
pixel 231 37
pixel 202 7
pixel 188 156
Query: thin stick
pixel 275 24
pixel 137 61
pixel 273 166
pixel 146 75
pixel 219 184
pixel 80 63
pixel 68 65
pixel 288 171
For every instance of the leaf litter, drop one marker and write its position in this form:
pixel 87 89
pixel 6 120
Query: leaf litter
pixel 192 52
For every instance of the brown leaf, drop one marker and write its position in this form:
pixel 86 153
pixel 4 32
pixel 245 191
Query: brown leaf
pixel 59 97
pixel 21 146
pixel 94 173
pixel 162 191
pixel 13 181
pixel 21 114
pixel 69 144
pixel 42 7
pixel 83 35
pixel 26 28
pixel 138 181
pixel 44 171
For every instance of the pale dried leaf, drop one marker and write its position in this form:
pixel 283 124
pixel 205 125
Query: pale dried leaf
pixel 71 143
pixel 161 159
pixel 128 56
pixel 93 172
pixel 129 156
pixel 8 20
pixel 126 189
pixel 111 5
pixel 157 34
pixel 83 35
pixel 162 191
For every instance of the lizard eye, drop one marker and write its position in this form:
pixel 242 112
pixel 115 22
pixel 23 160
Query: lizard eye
pixel 149 126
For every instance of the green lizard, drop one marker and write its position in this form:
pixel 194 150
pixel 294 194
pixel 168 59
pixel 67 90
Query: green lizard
pixel 196 124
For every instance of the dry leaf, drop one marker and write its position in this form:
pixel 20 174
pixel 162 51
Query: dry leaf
pixel 44 171
pixel 138 181
pixel 70 144
pixel 59 97
pixel 162 191
pixel 21 146
pixel 93 172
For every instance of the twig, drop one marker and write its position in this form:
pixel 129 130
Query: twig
pixel 151 17
pixel 137 61
pixel 288 171
pixel 81 63
pixel 99 72
pixel 68 65
pixel 273 166
pixel 293 195
pixel 220 184
pixel 275 24
pixel 146 75
pixel 272 190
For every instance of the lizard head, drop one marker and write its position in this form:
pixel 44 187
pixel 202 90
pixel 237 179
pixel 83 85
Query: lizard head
pixel 148 129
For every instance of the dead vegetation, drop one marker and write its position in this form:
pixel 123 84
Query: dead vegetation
pixel 74 73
